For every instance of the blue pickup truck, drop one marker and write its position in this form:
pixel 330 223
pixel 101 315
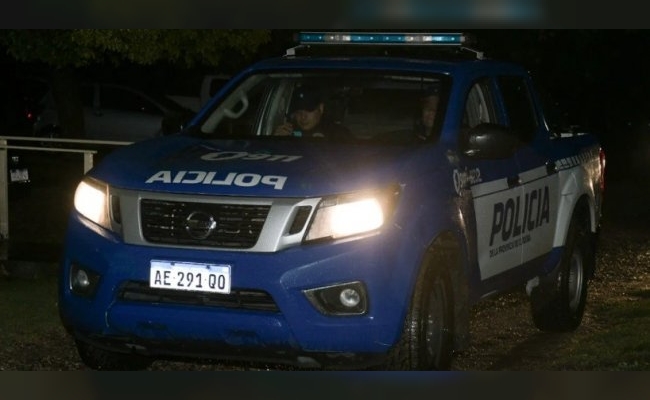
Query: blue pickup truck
pixel 343 206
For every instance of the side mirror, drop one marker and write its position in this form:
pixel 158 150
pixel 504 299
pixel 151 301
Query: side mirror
pixel 489 141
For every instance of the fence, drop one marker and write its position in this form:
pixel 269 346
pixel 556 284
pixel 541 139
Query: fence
pixel 88 156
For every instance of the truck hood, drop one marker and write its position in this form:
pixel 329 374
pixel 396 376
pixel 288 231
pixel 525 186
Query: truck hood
pixel 269 168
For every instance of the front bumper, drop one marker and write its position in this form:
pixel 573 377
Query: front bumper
pixel 214 352
pixel 286 328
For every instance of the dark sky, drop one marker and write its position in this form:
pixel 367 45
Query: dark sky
pixel 359 14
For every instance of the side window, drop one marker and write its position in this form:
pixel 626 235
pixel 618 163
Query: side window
pixel 479 105
pixel 244 116
pixel 519 106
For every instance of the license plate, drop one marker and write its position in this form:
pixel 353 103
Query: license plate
pixel 19 175
pixel 214 278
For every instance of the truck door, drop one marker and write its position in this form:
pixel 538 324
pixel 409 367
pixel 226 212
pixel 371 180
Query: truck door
pixel 495 192
pixel 538 205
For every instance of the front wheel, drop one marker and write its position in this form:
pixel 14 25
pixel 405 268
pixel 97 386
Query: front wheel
pixel 562 308
pixel 427 338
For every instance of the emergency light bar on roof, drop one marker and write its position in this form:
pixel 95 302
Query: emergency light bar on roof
pixel 435 39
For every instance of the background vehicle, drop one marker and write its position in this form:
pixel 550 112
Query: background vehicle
pixel 196 99
pixel 118 113
pixel 364 248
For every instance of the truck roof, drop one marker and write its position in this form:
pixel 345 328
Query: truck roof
pixel 419 52
pixel 401 63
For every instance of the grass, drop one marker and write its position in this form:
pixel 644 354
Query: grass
pixel 622 344
pixel 614 337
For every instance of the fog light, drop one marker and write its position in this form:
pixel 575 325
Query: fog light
pixel 350 297
pixel 342 299
pixel 83 281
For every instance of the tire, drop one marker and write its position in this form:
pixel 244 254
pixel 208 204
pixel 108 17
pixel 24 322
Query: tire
pixel 426 342
pixel 100 359
pixel 562 306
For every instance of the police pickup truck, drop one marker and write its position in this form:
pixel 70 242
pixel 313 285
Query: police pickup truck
pixel 342 206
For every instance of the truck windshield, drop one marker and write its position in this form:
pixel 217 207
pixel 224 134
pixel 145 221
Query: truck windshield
pixel 346 106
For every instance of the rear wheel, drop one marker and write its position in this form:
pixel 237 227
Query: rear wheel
pixel 561 307
pixel 426 342
pixel 100 359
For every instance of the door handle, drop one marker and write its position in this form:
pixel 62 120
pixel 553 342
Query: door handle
pixel 551 168
pixel 514 181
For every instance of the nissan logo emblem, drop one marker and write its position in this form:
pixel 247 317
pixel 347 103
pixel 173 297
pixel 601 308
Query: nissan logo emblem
pixel 199 225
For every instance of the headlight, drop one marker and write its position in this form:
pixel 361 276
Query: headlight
pixel 91 201
pixel 350 215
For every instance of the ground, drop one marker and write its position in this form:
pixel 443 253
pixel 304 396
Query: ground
pixel 504 337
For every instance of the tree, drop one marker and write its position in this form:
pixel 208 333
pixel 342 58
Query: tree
pixel 66 51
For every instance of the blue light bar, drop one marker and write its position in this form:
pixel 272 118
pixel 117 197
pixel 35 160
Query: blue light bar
pixel 435 39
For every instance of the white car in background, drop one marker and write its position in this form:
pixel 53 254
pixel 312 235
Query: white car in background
pixel 117 112
pixel 210 84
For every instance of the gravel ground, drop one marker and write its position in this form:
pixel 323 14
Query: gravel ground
pixel 503 335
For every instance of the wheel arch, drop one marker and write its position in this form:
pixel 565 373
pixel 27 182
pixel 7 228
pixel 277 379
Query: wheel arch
pixel 577 192
pixel 584 212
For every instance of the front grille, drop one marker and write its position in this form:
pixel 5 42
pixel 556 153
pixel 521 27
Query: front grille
pixel 241 298
pixel 232 225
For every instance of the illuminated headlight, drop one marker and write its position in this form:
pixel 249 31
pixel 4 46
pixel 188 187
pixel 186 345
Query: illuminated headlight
pixel 91 201
pixel 351 215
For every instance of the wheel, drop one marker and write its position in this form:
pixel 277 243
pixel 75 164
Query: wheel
pixel 426 342
pixel 559 307
pixel 100 359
